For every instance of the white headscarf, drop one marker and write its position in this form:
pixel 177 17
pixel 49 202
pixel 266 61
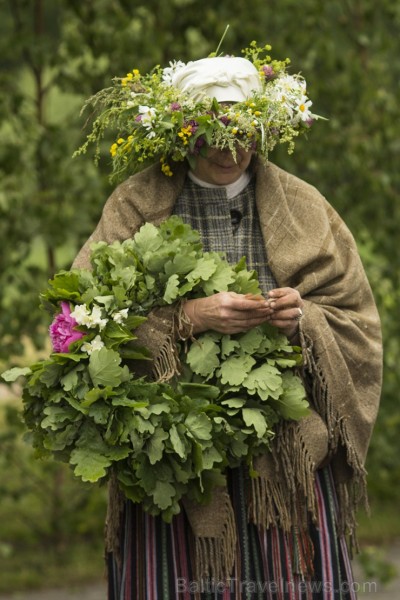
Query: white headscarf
pixel 226 78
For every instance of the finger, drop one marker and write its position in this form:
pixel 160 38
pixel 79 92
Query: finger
pixel 287 315
pixel 238 304
pixel 238 326
pixel 255 297
pixel 281 298
pixel 279 292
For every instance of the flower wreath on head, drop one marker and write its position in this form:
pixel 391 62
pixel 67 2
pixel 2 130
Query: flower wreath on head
pixel 157 121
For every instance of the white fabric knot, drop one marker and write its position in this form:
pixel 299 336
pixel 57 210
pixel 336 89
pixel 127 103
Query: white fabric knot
pixel 226 78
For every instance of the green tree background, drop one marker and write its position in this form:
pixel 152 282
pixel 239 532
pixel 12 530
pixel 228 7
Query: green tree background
pixel 55 53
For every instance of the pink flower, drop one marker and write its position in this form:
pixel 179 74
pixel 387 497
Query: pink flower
pixel 269 72
pixel 225 119
pixel 62 332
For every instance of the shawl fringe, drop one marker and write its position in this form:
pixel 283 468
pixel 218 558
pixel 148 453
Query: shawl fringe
pixel 166 364
pixel 282 494
pixel 349 474
pixel 214 530
pixel 115 509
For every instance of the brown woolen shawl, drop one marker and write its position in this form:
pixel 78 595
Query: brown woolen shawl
pixel 308 248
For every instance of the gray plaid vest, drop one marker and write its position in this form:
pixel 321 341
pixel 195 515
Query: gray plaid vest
pixel 227 225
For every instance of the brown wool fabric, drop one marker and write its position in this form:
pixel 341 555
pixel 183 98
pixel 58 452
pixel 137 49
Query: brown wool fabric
pixel 309 248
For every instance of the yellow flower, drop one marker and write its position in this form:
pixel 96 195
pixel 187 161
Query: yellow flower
pixel 234 130
pixel 120 141
pixel 165 168
pixel 185 131
pixel 113 150
pixel 136 72
pixel 126 79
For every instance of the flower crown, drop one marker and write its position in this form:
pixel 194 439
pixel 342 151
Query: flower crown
pixel 156 121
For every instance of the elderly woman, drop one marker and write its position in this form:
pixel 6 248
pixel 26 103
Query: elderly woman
pixel 280 535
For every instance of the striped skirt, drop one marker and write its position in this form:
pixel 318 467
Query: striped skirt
pixel 157 558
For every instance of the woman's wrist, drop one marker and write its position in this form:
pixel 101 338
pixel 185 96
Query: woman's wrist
pixel 190 309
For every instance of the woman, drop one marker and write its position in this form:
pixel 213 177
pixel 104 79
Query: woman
pixel 281 535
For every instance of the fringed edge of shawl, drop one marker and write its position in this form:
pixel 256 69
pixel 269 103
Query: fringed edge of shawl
pixel 213 529
pixel 351 490
pixel 287 502
pixel 166 364
pixel 276 502
pixel 351 493
pixel 215 557
pixel 113 524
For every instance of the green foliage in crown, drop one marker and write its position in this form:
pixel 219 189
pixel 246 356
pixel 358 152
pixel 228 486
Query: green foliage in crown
pixel 155 121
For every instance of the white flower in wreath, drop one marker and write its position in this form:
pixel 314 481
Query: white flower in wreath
pixel 302 110
pixel 147 116
pixel 169 72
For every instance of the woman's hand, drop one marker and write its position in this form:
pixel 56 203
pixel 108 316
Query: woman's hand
pixel 287 310
pixel 228 312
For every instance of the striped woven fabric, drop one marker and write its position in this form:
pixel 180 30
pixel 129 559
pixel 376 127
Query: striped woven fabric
pixel 157 559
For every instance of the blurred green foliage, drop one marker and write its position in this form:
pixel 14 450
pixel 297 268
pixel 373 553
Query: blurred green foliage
pixel 53 54
pixel 51 525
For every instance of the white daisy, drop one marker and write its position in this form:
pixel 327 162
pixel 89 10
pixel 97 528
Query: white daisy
pixel 169 72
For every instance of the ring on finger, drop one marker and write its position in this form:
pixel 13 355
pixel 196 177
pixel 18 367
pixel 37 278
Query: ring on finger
pixel 300 315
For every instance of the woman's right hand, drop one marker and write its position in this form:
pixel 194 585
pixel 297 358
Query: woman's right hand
pixel 227 312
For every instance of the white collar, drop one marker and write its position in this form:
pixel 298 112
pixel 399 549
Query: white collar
pixel 232 189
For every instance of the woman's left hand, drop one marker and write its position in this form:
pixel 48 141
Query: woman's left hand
pixel 286 310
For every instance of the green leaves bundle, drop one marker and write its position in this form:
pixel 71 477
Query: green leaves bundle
pixel 85 406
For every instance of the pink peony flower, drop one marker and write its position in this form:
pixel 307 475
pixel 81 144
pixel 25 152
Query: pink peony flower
pixel 62 332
